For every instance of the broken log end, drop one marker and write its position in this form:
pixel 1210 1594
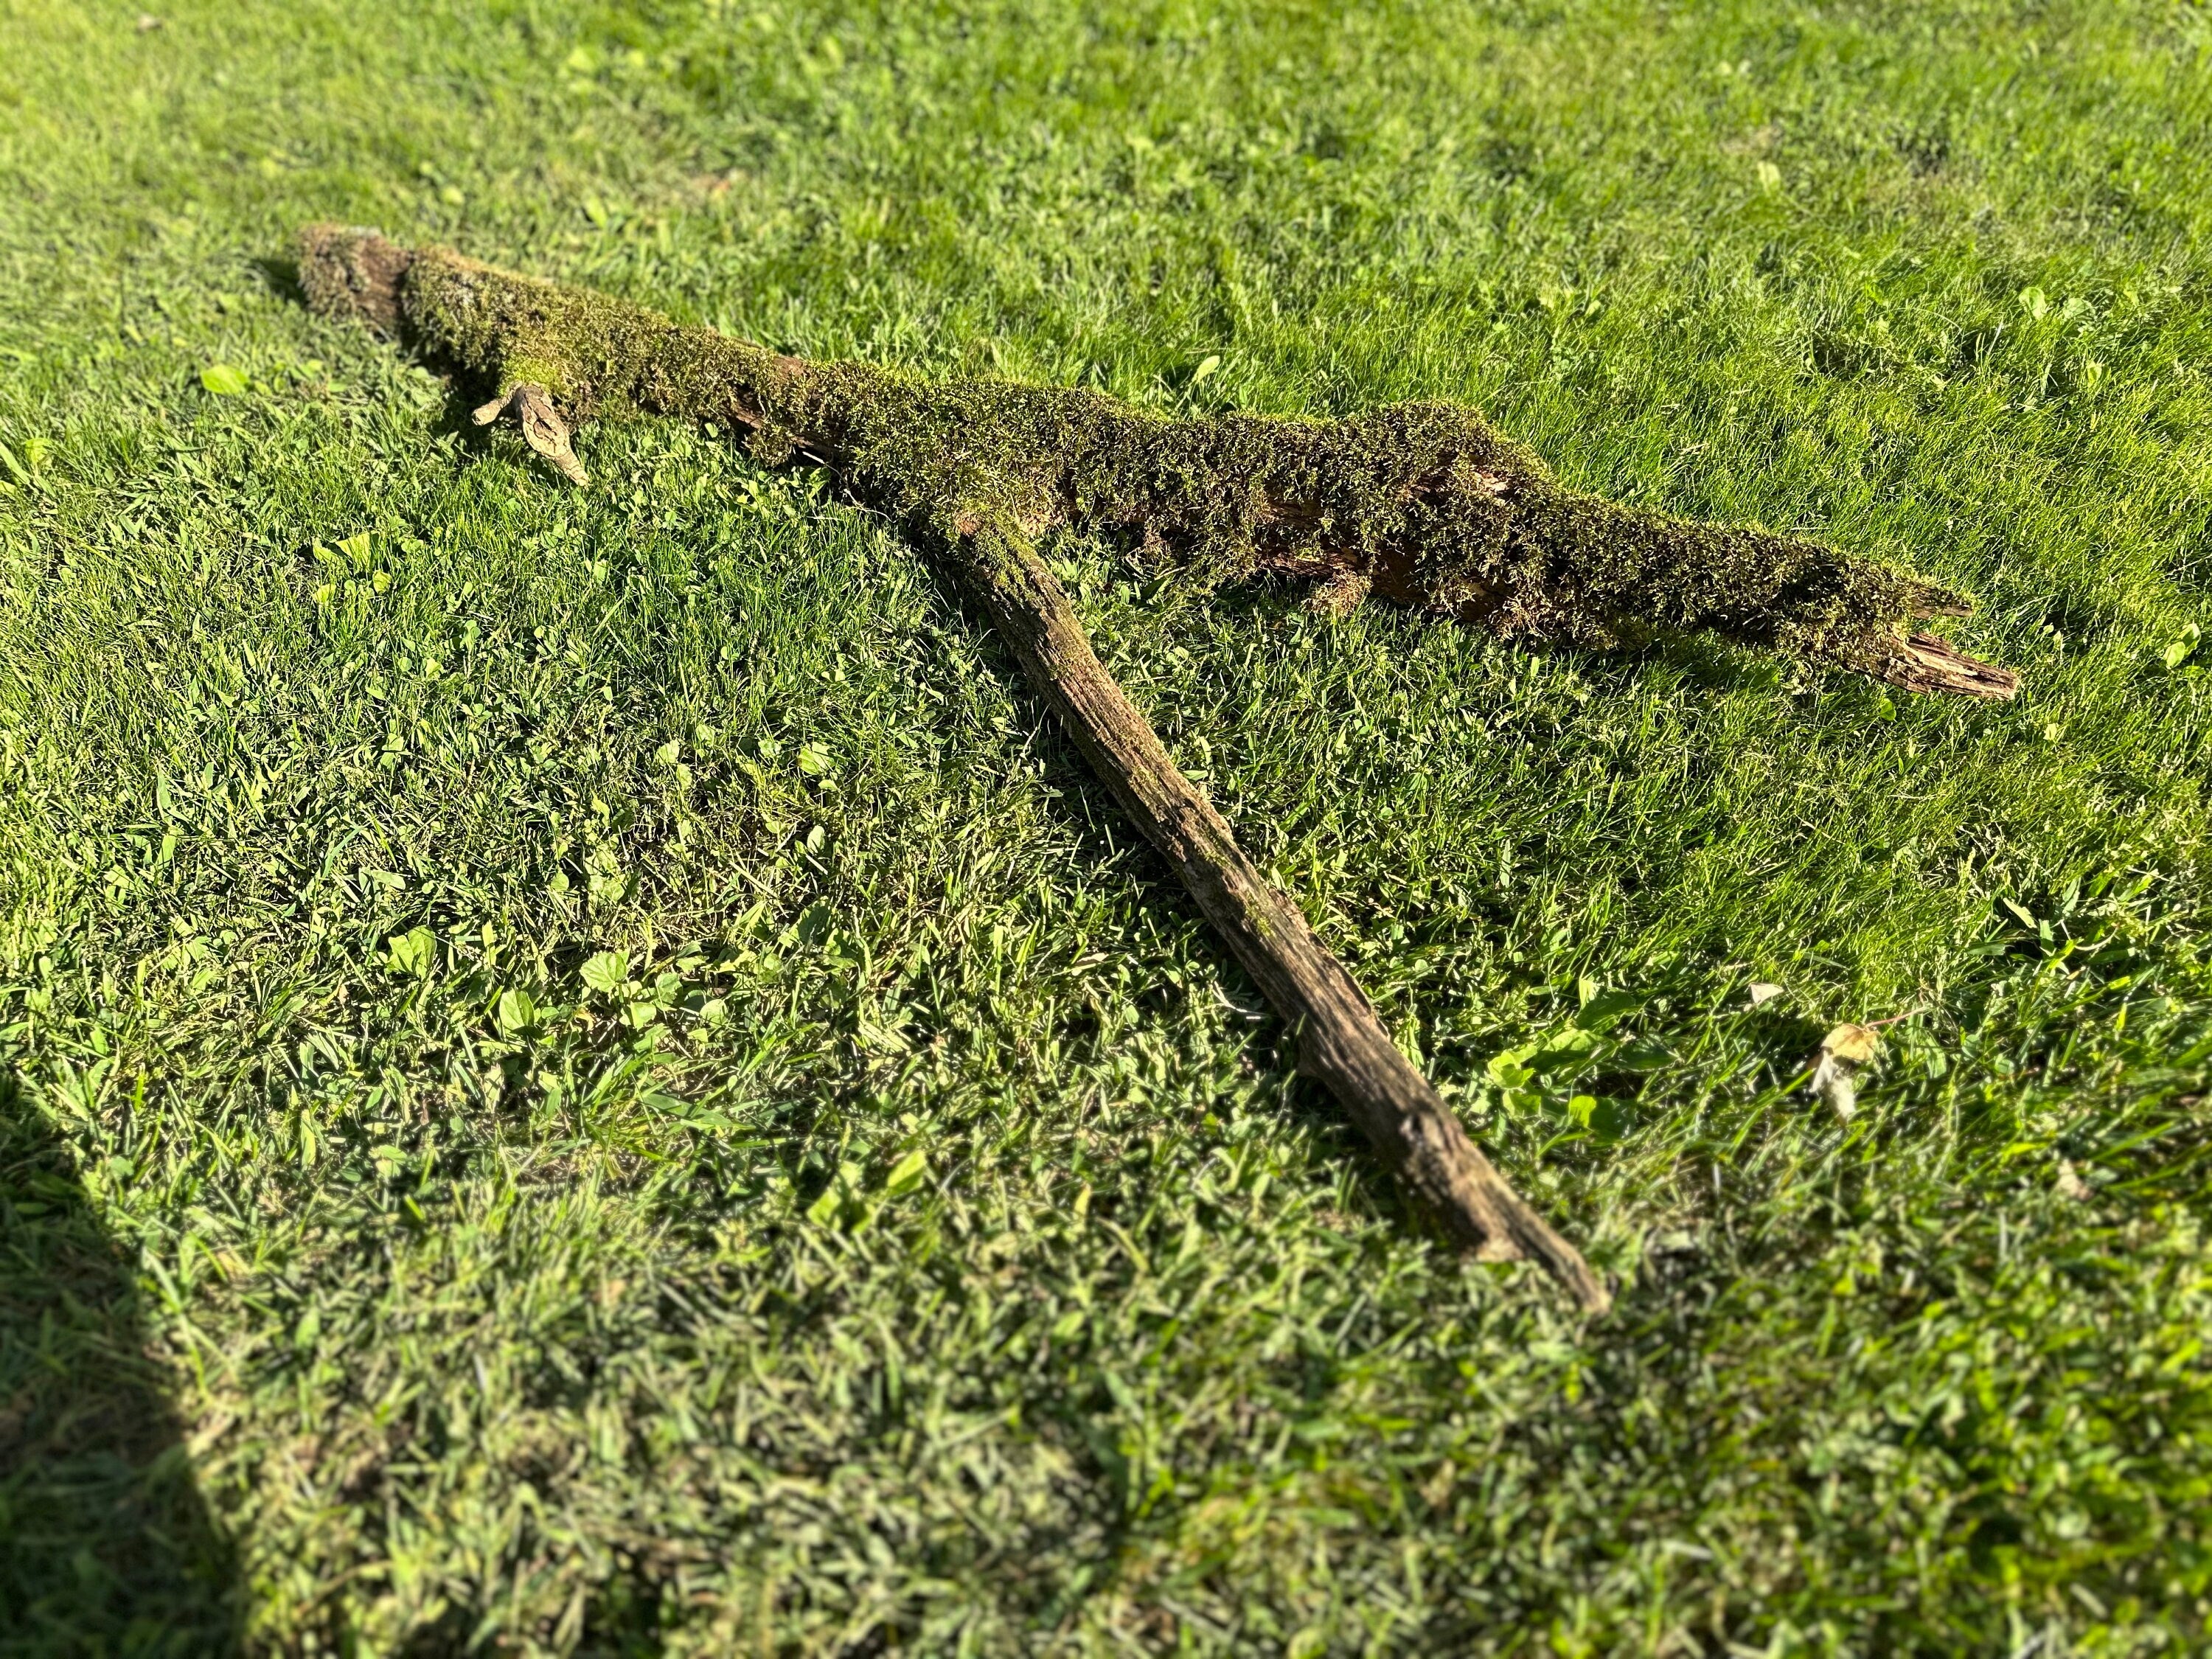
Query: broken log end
pixel 347 272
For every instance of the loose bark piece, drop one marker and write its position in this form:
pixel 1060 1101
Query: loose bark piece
pixel 1424 505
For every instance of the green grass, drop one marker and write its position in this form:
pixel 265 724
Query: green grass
pixel 916 1241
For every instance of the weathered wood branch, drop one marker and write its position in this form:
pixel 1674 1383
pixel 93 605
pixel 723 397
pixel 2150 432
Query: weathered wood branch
pixel 1341 1042
pixel 1423 504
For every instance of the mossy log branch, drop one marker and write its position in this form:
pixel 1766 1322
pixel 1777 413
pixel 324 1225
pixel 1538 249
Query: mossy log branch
pixel 1422 504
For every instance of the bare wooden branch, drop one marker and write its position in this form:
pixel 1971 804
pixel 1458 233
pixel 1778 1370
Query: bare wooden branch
pixel 1341 1042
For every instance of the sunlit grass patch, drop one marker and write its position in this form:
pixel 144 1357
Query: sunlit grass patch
pixel 588 1072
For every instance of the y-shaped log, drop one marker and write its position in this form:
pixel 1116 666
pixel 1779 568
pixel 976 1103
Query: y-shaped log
pixel 1423 504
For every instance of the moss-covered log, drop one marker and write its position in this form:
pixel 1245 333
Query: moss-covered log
pixel 1423 504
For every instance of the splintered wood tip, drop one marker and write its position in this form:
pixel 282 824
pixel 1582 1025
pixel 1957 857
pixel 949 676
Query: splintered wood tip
pixel 1928 664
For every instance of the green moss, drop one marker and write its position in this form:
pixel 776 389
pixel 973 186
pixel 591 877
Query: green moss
pixel 1425 503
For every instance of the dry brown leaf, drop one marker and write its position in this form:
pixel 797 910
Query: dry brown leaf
pixel 1843 1052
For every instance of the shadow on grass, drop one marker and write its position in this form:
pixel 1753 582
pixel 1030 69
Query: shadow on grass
pixel 107 1545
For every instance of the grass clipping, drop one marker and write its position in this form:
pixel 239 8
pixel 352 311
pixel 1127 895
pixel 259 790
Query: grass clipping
pixel 1425 504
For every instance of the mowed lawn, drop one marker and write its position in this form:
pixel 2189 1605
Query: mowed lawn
pixel 588 1072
